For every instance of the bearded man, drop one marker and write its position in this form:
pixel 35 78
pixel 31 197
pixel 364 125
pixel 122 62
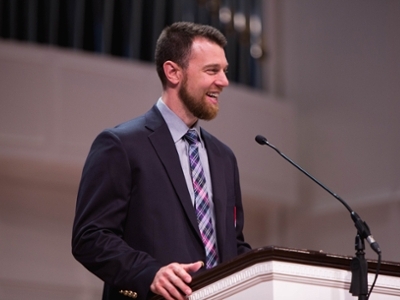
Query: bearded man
pixel 159 197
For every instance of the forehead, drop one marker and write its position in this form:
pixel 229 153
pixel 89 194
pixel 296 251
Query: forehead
pixel 207 52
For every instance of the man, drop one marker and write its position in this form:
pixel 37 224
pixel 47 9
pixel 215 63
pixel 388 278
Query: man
pixel 158 201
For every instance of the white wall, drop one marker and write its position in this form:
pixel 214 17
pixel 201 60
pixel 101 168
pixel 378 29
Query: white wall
pixel 341 68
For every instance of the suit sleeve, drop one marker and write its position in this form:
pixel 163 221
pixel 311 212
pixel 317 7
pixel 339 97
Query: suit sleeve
pixel 242 246
pixel 101 210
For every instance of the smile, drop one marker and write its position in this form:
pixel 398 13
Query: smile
pixel 213 95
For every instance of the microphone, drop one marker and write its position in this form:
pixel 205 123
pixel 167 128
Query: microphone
pixel 362 227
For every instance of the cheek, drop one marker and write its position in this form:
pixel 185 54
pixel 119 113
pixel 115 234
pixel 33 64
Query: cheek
pixel 196 87
pixel 198 84
pixel 204 84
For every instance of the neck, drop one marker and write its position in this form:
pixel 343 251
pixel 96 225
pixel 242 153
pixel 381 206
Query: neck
pixel 175 104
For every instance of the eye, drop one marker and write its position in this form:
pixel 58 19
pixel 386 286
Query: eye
pixel 212 71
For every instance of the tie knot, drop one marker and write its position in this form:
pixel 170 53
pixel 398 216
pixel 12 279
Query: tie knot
pixel 191 136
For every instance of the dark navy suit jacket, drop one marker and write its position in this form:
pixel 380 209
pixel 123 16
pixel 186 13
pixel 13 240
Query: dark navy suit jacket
pixel 134 213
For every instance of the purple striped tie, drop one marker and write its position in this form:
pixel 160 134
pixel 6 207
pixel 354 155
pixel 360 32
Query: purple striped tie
pixel 202 201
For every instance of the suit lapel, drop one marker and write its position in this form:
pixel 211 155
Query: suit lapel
pixel 218 187
pixel 164 145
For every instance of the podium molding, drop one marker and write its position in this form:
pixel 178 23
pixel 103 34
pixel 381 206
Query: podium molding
pixel 278 273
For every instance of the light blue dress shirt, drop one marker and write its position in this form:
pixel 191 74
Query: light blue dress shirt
pixel 178 129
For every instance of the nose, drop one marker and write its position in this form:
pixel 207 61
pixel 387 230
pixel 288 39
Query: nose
pixel 222 80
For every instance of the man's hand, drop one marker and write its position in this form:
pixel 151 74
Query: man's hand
pixel 172 281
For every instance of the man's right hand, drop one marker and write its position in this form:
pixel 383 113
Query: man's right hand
pixel 172 281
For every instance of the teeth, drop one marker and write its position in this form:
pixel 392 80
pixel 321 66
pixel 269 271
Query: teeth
pixel 214 95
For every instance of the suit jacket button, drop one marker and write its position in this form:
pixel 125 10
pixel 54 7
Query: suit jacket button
pixel 127 293
pixel 133 295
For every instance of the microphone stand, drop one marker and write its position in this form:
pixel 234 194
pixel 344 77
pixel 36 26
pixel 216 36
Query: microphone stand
pixel 359 271
pixel 359 266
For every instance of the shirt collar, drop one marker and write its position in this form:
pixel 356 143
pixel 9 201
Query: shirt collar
pixel 176 126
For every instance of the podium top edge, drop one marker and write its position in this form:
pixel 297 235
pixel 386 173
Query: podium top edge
pixel 299 256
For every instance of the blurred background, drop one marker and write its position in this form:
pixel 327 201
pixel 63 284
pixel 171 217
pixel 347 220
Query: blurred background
pixel 319 79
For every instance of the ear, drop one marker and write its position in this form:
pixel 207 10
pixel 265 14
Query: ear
pixel 173 72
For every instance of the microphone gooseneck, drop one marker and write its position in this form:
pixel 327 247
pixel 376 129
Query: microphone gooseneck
pixel 361 226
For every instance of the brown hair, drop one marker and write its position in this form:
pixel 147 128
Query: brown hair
pixel 175 43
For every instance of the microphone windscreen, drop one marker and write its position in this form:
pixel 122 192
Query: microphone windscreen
pixel 261 140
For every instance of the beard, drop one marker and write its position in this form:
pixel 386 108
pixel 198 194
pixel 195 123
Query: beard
pixel 198 106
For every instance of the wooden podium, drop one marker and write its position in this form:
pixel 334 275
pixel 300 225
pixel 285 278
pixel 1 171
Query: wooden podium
pixel 277 273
